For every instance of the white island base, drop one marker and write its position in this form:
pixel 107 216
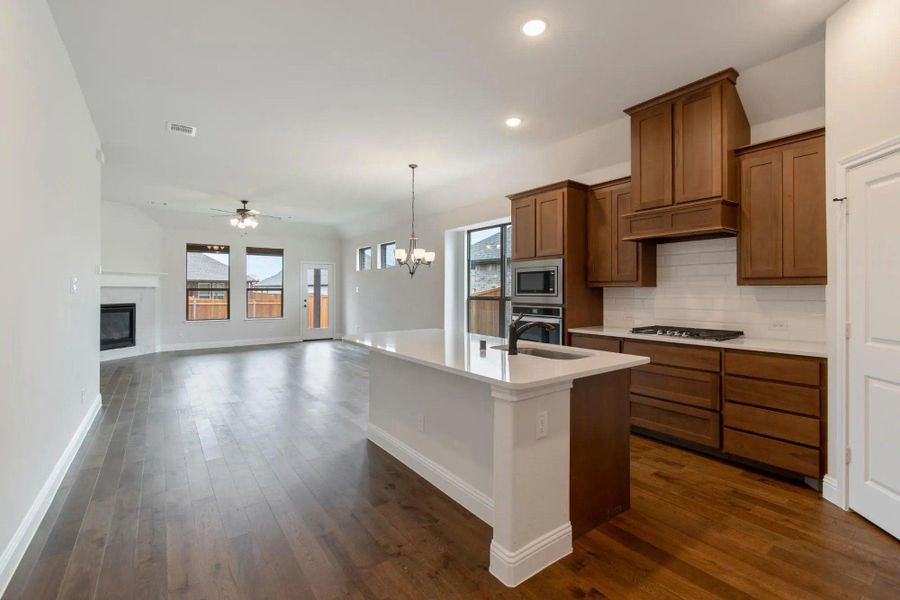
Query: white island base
pixel 497 434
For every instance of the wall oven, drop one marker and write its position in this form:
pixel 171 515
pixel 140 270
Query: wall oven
pixel 538 281
pixel 543 314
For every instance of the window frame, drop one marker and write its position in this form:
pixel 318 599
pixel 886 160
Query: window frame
pixel 188 288
pixel 359 264
pixel 504 297
pixel 256 251
pixel 384 261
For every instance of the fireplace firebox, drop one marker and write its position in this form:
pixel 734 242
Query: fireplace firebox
pixel 116 326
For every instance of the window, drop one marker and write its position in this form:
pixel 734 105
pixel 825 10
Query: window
pixel 488 275
pixel 386 255
pixel 364 259
pixel 265 283
pixel 208 289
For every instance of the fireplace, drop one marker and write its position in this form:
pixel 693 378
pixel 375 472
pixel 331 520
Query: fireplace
pixel 116 326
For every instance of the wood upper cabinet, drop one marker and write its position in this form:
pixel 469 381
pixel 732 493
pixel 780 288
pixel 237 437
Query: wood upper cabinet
pixel 612 262
pixel 782 236
pixel 698 145
pixel 523 228
pixel 651 156
pixel 682 145
pixel 550 215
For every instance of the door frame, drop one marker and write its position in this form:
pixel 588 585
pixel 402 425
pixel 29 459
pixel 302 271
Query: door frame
pixel 332 295
pixel 836 485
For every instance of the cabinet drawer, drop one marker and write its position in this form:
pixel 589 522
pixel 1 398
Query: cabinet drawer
pixel 685 386
pixel 676 355
pixel 793 428
pixel 791 457
pixel 684 422
pixel 781 396
pixel 594 342
pixel 791 369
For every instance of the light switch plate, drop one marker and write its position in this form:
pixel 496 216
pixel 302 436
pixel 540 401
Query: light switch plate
pixel 73 285
pixel 542 426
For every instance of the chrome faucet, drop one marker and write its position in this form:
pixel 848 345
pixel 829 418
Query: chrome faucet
pixel 515 331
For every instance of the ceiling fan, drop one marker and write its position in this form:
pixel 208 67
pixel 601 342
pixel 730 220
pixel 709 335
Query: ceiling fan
pixel 243 217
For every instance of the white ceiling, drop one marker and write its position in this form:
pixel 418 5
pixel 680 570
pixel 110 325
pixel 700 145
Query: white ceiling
pixel 313 109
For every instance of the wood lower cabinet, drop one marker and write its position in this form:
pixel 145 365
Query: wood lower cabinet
pixel 611 261
pixel 774 410
pixel 768 409
pixel 782 237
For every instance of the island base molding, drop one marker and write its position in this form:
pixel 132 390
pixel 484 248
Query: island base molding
pixel 512 568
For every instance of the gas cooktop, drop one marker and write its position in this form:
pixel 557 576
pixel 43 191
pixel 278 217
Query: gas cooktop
pixel 716 335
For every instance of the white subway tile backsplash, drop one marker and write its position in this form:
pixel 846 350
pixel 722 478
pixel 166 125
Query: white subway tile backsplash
pixel 697 287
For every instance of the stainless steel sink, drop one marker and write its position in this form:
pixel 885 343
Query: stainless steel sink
pixel 544 353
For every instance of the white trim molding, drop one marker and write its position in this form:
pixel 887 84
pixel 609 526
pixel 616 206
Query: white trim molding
pixel 15 550
pixel 836 486
pixel 512 568
pixel 478 503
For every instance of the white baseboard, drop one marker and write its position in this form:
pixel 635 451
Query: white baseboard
pixel 512 568
pixel 478 503
pixel 16 547
pixel 229 343
pixel 831 491
pixel 119 353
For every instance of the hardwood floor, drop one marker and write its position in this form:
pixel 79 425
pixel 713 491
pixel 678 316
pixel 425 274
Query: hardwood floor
pixel 245 473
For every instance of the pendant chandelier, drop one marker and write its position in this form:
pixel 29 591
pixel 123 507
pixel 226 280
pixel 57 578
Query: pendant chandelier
pixel 414 256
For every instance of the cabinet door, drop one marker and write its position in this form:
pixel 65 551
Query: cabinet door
pixel 651 157
pixel 600 235
pixel 523 228
pixel 698 145
pixel 803 209
pixel 549 210
pixel 761 215
pixel 625 254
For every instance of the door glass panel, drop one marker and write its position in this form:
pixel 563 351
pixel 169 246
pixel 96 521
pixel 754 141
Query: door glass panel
pixel 317 298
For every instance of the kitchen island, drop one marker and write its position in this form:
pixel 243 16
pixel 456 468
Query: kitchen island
pixel 535 446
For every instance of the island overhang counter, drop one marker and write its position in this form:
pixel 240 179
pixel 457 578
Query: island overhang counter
pixel 536 447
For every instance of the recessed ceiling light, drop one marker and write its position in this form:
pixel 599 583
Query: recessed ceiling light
pixel 534 27
pixel 513 122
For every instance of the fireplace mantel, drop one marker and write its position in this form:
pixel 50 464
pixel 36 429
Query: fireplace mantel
pixel 130 279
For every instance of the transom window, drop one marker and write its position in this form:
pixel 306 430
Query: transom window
pixel 364 258
pixel 386 255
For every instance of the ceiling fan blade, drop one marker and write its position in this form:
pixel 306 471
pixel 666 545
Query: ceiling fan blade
pixel 267 216
pixel 230 212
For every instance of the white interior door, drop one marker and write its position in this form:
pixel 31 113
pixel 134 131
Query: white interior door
pixel 317 282
pixel 873 261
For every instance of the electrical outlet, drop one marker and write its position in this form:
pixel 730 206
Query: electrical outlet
pixel 542 428
pixel 778 325
pixel 421 422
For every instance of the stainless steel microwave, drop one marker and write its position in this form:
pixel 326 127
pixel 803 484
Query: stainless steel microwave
pixel 538 281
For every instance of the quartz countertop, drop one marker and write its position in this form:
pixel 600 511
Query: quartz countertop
pixel 458 352
pixel 742 343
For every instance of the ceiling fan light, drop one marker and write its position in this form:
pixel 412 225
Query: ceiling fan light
pixel 234 221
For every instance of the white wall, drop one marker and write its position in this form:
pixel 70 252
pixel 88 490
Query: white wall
pixel 379 301
pixel 131 239
pixel 862 99
pixel 174 230
pixel 49 355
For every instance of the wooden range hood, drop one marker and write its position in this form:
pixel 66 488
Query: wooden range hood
pixel 684 174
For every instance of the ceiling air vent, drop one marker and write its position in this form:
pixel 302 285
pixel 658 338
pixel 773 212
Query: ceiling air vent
pixel 182 129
